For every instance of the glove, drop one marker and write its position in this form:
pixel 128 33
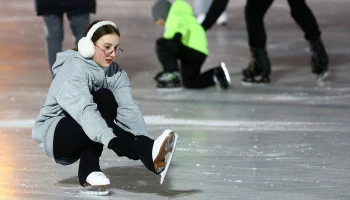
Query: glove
pixel 123 145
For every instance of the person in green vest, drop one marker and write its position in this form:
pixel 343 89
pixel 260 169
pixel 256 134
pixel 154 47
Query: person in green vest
pixel 184 41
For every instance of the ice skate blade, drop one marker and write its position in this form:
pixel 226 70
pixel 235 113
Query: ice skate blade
pixel 95 190
pixel 173 146
pixel 165 148
pixel 254 84
pixel 227 75
pixel 169 90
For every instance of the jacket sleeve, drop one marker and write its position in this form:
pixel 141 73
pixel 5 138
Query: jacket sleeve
pixel 75 98
pixel 215 10
pixel 129 116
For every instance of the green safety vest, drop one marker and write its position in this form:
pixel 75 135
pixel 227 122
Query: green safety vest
pixel 181 20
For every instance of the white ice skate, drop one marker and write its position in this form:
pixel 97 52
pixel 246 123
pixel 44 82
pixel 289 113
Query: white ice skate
pixel 227 75
pixel 201 18
pixel 322 79
pixel 97 184
pixel 164 144
pixel 222 20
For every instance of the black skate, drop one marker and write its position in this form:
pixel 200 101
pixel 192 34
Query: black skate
pixel 258 70
pixel 222 77
pixel 319 60
pixel 168 81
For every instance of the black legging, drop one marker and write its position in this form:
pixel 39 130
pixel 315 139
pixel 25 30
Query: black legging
pixel 191 64
pixel 71 143
pixel 254 15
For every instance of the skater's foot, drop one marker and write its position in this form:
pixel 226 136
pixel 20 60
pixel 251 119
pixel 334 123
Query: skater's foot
pixel 319 59
pixel 96 183
pixel 259 68
pixel 161 147
pixel 201 17
pixel 222 77
pixel 168 81
pixel 162 152
pixel 222 20
pixel 258 80
pixel 322 79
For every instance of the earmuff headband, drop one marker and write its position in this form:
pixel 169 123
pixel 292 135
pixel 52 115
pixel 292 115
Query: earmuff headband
pixel 86 47
pixel 98 25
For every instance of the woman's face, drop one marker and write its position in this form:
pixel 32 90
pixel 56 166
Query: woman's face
pixel 105 49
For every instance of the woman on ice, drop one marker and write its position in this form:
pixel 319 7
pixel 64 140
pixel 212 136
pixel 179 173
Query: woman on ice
pixel 89 105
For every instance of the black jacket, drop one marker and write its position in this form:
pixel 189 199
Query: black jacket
pixel 48 7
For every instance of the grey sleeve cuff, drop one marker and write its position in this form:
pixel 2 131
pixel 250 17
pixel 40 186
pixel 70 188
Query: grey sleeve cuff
pixel 106 137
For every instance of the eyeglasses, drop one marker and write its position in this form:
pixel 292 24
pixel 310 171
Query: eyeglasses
pixel 118 51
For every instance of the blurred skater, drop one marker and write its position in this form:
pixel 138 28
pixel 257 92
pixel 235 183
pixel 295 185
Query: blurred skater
pixel 52 11
pixel 184 40
pixel 259 69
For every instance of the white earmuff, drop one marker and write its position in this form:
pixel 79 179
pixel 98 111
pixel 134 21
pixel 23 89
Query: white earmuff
pixel 86 47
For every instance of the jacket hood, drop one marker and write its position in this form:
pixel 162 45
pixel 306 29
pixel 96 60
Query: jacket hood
pixel 62 57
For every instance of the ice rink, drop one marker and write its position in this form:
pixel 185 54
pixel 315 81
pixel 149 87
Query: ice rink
pixel 286 141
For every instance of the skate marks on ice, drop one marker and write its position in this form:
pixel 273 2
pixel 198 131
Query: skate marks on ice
pixel 126 180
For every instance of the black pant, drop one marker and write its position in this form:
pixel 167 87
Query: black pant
pixel 254 15
pixel 191 63
pixel 71 143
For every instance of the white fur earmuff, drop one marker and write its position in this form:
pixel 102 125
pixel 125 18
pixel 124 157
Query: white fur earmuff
pixel 86 47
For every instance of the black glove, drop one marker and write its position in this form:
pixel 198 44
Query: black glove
pixel 123 145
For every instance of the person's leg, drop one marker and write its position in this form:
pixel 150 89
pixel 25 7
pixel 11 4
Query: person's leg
pixel 254 17
pixel 191 64
pixel 167 53
pixel 54 37
pixel 71 143
pixel 78 25
pixel 260 64
pixel 306 20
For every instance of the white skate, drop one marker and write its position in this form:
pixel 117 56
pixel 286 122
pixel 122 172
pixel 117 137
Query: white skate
pixel 222 20
pixel 201 18
pixel 97 184
pixel 322 79
pixel 164 144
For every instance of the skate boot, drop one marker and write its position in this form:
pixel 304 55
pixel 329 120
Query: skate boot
pixel 97 184
pixel 222 77
pixel 201 18
pixel 168 81
pixel 163 145
pixel 222 20
pixel 259 68
pixel 319 60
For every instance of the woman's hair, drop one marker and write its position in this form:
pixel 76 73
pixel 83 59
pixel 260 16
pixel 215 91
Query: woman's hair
pixel 102 31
